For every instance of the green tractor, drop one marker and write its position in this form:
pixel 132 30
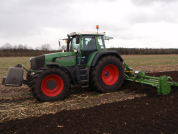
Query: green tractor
pixel 85 62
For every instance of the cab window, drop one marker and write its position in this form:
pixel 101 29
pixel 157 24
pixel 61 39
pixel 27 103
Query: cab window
pixel 101 43
pixel 88 43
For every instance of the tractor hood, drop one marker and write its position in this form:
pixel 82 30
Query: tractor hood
pixel 37 62
pixel 40 61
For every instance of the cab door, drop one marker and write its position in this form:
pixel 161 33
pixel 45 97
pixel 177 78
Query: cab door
pixel 88 46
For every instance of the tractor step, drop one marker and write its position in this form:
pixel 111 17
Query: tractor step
pixel 83 76
pixel 83 71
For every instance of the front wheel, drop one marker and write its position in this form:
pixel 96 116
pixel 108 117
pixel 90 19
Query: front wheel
pixel 50 84
pixel 108 74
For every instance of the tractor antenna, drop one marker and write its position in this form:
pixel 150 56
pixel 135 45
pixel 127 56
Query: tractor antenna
pixel 97 27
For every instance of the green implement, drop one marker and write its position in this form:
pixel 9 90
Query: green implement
pixel 164 84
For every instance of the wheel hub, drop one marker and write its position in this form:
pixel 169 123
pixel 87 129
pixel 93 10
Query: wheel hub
pixel 106 74
pixel 51 84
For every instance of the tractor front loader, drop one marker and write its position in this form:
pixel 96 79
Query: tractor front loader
pixel 85 62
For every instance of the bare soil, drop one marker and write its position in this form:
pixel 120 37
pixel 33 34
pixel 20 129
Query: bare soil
pixel 148 114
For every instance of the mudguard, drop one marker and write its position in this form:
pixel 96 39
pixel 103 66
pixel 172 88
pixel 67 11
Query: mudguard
pixel 99 54
pixel 65 68
pixel 14 77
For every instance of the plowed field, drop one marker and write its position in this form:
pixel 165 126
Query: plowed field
pixel 149 114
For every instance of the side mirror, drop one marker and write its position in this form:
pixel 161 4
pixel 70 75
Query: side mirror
pixel 77 39
pixel 59 43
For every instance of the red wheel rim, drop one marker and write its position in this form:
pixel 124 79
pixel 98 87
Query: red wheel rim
pixel 110 74
pixel 55 89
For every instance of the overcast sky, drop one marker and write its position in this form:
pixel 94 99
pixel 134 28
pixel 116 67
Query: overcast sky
pixel 132 23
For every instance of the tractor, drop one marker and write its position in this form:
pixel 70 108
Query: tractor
pixel 86 62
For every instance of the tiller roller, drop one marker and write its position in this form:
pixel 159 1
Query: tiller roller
pixel 164 84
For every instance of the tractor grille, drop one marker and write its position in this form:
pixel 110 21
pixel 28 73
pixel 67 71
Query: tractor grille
pixel 37 62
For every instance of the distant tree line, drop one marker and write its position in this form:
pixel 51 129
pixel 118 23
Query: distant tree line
pixel 144 51
pixel 23 50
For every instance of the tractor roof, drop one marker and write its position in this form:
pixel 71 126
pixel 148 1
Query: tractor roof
pixel 86 33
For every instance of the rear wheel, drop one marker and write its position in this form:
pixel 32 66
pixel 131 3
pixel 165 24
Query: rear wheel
pixel 108 74
pixel 50 84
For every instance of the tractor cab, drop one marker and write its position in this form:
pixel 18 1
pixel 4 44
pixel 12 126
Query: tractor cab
pixel 86 43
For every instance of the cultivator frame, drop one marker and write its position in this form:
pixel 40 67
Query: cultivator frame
pixel 164 84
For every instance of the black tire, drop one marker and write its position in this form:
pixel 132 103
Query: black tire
pixel 100 75
pixel 50 83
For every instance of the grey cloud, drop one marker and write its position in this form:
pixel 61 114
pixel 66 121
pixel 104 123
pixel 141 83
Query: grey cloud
pixel 26 17
pixel 149 2
pixel 128 35
pixel 136 18
pixel 154 14
pixel 29 18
